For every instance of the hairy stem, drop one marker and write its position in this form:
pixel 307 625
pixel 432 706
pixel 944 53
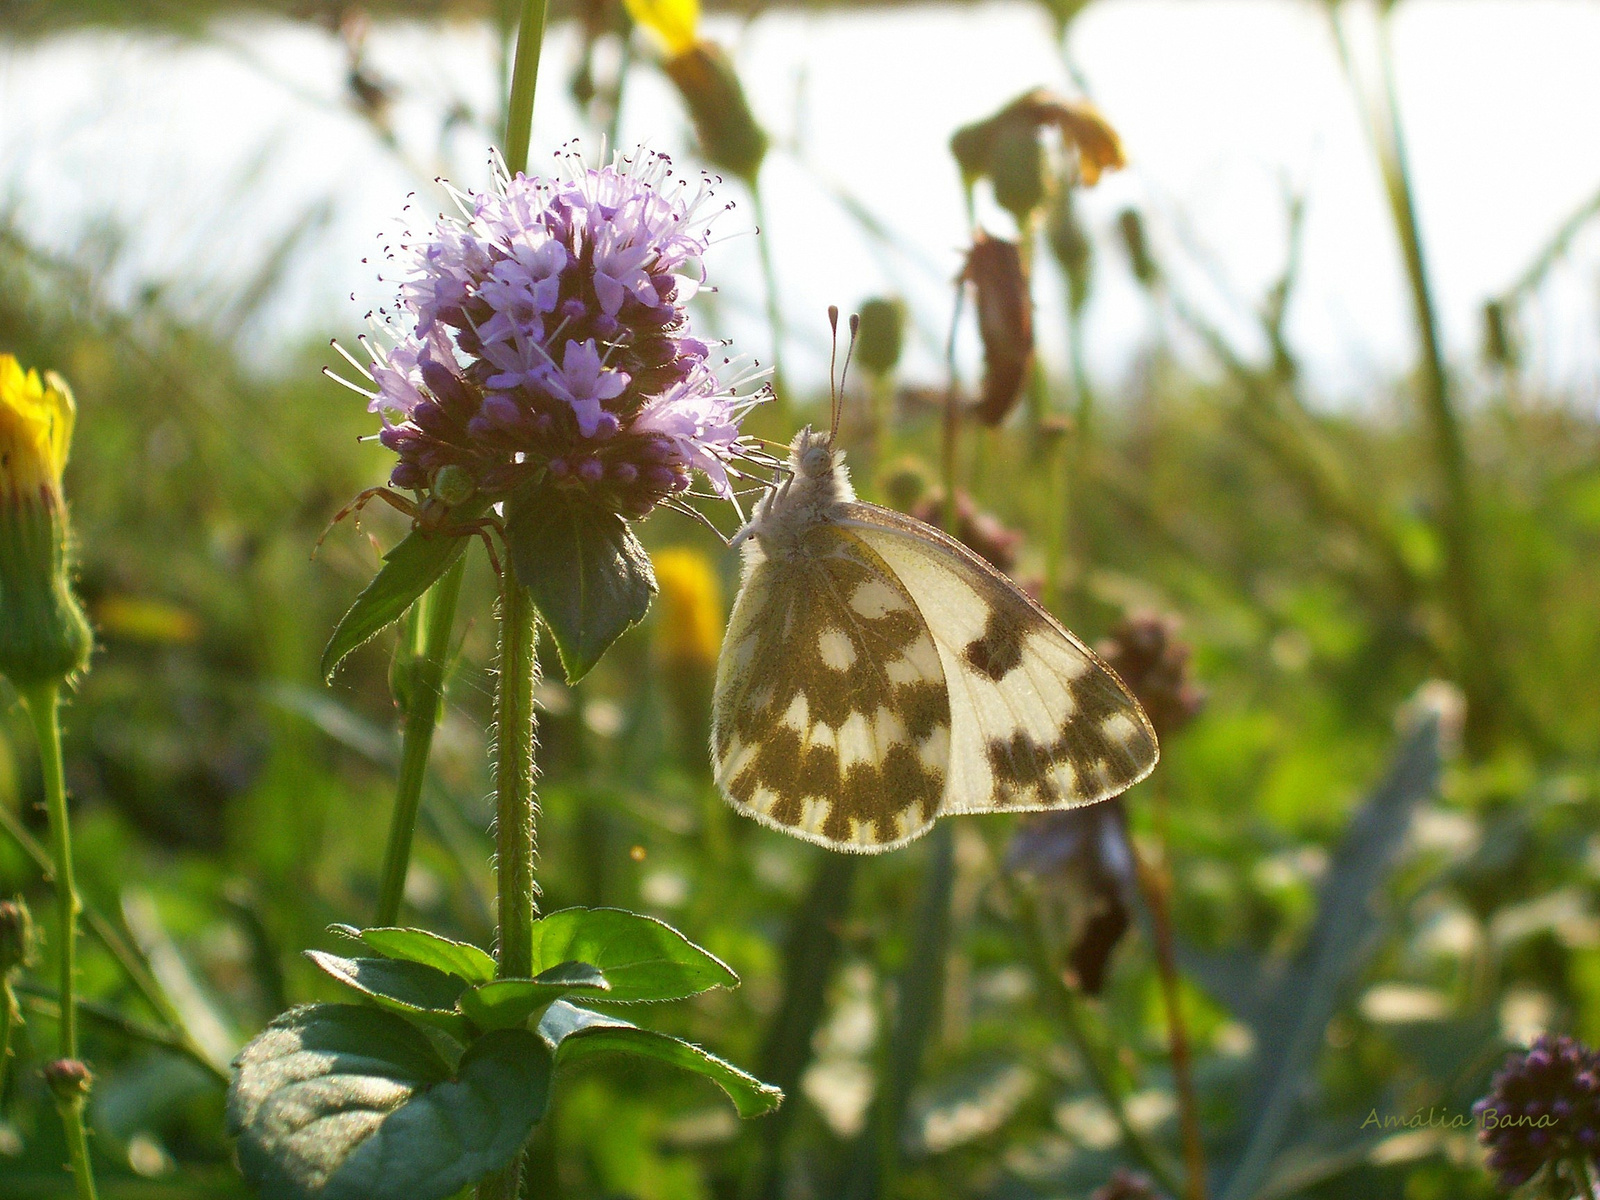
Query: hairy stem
pixel 44 707
pixel 514 773
pixel 437 617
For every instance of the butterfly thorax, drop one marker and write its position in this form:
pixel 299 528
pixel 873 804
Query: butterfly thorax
pixel 817 488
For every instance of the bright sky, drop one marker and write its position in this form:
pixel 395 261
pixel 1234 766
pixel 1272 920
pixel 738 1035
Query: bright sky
pixel 204 154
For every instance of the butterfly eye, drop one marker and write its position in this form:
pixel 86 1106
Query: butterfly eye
pixel 816 460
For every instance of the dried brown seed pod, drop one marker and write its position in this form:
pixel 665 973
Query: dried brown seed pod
pixel 1005 322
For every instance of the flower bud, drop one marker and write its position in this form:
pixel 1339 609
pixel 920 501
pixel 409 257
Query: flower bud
pixel 673 22
pixel 69 1080
pixel 1500 342
pixel 881 335
pixel 1069 243
pixel 1131 226
pixel 17 937
pixel 1005 322
pixel 1153 661
pixel 44 636
pixel 729 135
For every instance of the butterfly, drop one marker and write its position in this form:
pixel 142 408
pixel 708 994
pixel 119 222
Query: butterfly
pixel 877 675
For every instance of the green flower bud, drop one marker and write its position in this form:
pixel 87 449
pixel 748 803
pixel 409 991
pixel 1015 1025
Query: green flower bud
pixel 44 636
pixel 17 938
pixel 729 136
pixel 69 1080
pixel 881 334
pixel 1131 226
pixel 1500 343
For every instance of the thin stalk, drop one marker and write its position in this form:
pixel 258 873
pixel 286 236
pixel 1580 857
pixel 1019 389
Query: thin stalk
pixel 524 78
pixel 1067 1009
pixel 1477 657
pixel 1154 884
pixel 10 1017
pixel 1587 1176
pixel 78 1147
pixel 769 278
pixel 437 617
pixel 44 707
pixel 46 1004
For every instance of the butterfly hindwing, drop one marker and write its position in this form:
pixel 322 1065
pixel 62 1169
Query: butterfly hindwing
pixel 832 717
pixel 1038 720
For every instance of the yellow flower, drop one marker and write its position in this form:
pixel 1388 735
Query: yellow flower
pixel 672 21
pixel 689 619
pixel 36 420
pixel 44 637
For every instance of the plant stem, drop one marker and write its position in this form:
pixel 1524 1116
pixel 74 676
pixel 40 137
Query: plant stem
pixel 10 1017
pixel 78 1147
pixel 524 78
pixel 1153 883
pixel 1065 1003
pixel 43 702
pixel 515 808
pixel 514 811
pixel 437 617
pixel 1477 656
pixel 769 277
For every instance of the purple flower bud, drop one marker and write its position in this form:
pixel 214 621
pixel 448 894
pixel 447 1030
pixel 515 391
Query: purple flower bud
pixel 558 467
pixel 590 470
pixel 625 472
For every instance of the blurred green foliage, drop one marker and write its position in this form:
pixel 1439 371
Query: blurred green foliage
pixel 229 806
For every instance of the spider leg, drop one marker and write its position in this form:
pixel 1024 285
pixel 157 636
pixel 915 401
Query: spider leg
pixel 360 502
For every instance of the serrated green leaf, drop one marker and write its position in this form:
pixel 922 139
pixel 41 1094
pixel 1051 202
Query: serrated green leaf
pixel 412 989
pixel 408 570
pixel 420 946
pixel 345 1102
pixel 509 1003
pixel 588 574
pixel 575 1033
pixel 642 958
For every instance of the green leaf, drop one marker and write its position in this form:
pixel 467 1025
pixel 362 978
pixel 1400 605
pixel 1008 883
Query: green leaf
pixel 589 576
pixel 420 946
pixel 642 958
pixel 408 570
pixel 576 1033
pixel 344 1102
pixel 413 989
pixel 508 1003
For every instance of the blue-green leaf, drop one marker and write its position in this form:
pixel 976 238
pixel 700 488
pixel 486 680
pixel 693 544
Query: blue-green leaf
pixel 588 574
pixel 575 1033
pixel 420 946
pixel 509 1003
pixel 412 989
pixel 345 1102
pixel 642 958
pixel 408 570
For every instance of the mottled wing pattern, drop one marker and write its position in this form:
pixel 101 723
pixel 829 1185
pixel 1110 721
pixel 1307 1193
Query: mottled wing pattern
pixel 1038 720
pixel 831 719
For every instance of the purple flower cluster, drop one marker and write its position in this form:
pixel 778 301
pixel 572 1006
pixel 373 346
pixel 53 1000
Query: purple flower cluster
pixel 1543 1110
pixel 545 340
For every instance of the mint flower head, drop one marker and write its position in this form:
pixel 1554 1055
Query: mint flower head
pixel 542 339
pixel 538 378
pixel 1542 1117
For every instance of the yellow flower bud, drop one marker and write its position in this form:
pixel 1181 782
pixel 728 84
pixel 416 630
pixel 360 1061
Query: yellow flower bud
pixel 673 22
pixel 43 634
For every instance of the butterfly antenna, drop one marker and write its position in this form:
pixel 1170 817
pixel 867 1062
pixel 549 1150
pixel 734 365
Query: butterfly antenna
pixel 855 330
pixel 833 384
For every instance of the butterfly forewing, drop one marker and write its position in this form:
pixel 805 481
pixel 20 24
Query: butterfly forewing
pixel 832 718
pixel 1038 720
